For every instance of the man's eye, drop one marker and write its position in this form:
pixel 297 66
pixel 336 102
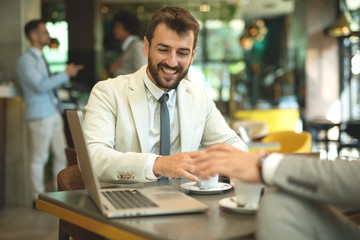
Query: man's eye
pixel 162 50
pixel 183 53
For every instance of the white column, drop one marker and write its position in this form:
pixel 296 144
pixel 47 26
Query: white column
pixel 13 16
pixel 322 62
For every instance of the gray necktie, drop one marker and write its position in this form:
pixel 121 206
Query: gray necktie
pixel 164 126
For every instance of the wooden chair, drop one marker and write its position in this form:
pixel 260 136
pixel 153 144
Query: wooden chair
pixel 71 156
pixel 355 218
pixel 291 142
pixel 353 215
pixel 70 179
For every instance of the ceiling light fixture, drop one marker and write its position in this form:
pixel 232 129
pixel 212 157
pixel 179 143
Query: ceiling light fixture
pixel 205 8
pixel 344 25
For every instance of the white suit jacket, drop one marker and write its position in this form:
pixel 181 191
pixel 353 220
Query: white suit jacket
pixel 117 125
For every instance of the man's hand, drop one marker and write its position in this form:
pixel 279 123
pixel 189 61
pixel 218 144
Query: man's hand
pixel 176 165
pixel 228 161
pixel 73 69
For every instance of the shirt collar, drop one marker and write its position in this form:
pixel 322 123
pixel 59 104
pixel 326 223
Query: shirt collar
pixel 36 51
pixel 155 90
pixel 127 42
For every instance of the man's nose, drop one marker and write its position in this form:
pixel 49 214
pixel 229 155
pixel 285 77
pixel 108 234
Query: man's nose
pixel 172 59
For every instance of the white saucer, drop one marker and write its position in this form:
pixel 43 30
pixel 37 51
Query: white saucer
pixel 230 203
pixel 193 188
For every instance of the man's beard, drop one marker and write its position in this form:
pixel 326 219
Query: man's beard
pixel 154 71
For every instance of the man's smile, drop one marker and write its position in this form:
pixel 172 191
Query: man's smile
pixel 169 70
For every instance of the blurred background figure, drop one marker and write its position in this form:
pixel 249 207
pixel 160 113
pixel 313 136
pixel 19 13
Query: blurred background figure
pixel 43 106
pixel 127 29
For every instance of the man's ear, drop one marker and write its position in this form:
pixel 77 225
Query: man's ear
pixel 146 47
pixel 193 54
pixel 32 36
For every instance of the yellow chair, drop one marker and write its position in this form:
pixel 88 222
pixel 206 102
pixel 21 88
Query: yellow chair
pixel 254 128
pixel 290 142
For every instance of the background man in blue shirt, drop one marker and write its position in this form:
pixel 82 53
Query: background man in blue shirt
pixel 42 110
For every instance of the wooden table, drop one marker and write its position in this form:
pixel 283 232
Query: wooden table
pixel 216 223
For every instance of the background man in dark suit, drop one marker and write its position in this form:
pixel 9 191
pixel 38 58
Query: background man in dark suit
pixel 127 29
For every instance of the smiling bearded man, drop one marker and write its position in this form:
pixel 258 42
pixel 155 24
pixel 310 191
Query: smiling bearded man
pixel 122 121
pixel 169 58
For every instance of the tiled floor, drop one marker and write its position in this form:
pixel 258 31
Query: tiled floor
pixel 27 223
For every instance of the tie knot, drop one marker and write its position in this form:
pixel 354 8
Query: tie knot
pixel 164 98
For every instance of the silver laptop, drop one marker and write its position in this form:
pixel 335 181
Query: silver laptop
pixel 126 202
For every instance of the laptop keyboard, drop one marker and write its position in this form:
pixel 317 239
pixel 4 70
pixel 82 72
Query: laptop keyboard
pixel 124 199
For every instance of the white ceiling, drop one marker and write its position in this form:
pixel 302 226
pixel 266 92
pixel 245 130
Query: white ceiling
pixel 247 9
pixel 265 8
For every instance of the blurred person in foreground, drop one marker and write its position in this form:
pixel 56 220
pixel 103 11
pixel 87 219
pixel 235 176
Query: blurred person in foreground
pixel 122 120
pixel 127 29
pixel 301 205
pixel 42 105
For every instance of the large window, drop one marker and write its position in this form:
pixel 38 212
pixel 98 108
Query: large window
pixel 218 50
pixel 57 52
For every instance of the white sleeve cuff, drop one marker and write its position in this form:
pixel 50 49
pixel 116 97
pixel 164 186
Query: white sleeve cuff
pixel 149 165
pixel 269 167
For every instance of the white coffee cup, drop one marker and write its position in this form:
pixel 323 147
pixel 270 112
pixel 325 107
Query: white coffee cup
pixel 248 194
pixel 208 183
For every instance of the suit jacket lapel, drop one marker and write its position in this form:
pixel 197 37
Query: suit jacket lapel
pixel 184 101
pixel 139 109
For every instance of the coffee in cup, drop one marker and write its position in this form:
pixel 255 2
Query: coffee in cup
pixel 208 183
pixel 248 194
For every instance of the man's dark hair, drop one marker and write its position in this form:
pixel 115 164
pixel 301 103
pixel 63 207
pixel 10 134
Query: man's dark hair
pixel 32 26
pixel 130 22
pixel 177 19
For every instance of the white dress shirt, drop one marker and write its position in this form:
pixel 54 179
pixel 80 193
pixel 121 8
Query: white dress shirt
pixel 153 93
pixel 270 166
pixel 39 55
